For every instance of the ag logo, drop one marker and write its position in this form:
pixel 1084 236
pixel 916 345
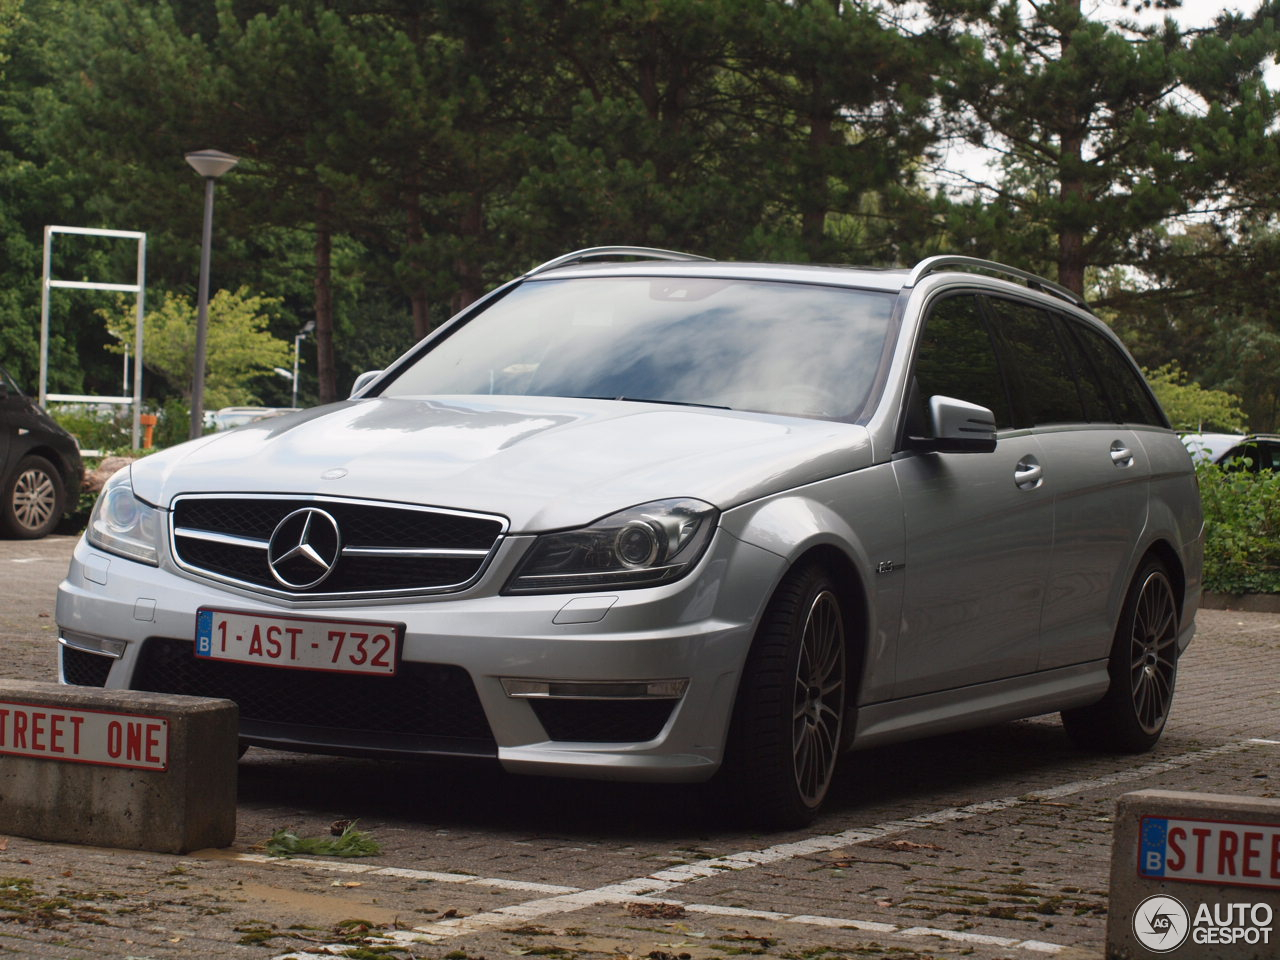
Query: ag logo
pixel 1161 923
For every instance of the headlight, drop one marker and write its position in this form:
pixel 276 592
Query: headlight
pixel 121 523
pixel 640 547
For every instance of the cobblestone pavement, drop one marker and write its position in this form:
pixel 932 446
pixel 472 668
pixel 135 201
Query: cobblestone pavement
pixel 991 844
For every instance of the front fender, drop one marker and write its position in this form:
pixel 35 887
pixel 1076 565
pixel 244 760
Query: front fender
pixel 860 516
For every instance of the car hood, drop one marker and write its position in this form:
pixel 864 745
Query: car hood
pixel 543 462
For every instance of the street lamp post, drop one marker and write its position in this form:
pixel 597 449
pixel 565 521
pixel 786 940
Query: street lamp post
pixel 297 346
pixel 210 164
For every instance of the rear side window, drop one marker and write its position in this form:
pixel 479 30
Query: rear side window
pixel 956 358
pixel 1045 382
pixel 1093 390
pixel 1128 391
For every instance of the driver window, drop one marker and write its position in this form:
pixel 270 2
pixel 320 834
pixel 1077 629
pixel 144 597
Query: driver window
pixel 955 358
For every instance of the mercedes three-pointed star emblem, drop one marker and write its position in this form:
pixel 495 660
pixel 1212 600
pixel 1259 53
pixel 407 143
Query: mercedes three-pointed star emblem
pixel 304 548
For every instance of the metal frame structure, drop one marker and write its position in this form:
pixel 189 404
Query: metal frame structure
pixel 136 288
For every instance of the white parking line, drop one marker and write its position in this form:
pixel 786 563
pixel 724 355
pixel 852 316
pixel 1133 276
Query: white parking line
pixel 430 876
pixel 646 888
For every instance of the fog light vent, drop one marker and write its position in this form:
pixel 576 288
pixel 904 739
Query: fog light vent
pixel 602 721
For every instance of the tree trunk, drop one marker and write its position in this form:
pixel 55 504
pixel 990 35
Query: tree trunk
pixel 470 275
pixel 326 369
pixel 418 303
pixel 814 192
pixel 1071 190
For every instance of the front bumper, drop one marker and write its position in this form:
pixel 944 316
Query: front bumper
pixel 698 629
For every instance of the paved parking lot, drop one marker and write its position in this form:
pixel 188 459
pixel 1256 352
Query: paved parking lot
pixel 993 844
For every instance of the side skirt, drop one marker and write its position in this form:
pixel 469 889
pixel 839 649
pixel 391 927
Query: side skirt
pixel 980 704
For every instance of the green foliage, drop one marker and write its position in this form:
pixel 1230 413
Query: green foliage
pixel 350 843
pixel 1242 529
pixel 1192 408
pixel 107 431
pixel 239 345
pixel 398 159
pixel 1105 129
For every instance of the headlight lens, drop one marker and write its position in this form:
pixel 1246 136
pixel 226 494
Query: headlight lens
pixel 122 524
pixel 640 547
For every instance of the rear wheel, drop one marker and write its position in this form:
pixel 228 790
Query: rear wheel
pixel 33 499
pixel 1143 668
pixel 789 718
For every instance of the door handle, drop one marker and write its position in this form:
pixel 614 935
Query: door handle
pixel 1028 474
pixel 1121 455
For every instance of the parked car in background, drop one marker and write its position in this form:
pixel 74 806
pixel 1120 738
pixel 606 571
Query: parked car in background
pixel 1255 453
pixel 673 518
pixel 40 466
pixel 229 417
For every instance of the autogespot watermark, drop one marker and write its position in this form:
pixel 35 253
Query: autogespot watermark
pixel 1162 924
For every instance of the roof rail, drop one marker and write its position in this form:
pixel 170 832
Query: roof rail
pixel 600 253
pixel 935 264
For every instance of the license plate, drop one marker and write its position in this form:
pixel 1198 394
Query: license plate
pixel 300 643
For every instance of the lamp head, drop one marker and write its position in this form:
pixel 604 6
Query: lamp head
pixel 211 163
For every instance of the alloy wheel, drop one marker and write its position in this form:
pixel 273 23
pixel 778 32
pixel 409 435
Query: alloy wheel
pixel 1153 653
pixel 818 704
pixel 35 498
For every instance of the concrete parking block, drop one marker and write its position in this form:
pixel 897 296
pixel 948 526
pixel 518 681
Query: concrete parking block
pixel 140 771
pixel 1195 873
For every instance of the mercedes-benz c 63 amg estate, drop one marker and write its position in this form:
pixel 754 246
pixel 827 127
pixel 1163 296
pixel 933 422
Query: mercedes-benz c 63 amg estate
pixel 642 515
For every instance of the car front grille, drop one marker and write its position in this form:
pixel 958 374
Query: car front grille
pixel 373 548
pixel 425 707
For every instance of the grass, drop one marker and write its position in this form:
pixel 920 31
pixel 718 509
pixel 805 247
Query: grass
pixel 350 843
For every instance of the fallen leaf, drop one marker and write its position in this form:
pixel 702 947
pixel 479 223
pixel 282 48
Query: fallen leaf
pixel 346 883
pixel 451 912
pixel 884 903
pixel 67 873
pixel 905 845
pixel 656 911
pixel 4 843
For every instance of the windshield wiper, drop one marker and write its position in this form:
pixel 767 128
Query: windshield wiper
pixel 677 403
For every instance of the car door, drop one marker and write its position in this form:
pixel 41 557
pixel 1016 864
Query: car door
pixel 1097 470
pixel 12 403
pixel 979 526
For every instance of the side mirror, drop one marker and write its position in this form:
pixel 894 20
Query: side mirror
pixel 960 427
pixel 363 381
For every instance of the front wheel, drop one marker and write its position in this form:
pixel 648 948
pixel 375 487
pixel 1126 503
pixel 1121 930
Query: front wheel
pixel 789 717
pixel 1143 668
pixel 33 499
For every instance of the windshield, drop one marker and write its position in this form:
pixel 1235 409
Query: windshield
pixel 784 348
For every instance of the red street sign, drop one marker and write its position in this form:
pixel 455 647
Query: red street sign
pixel 1210 851
pixel 84 736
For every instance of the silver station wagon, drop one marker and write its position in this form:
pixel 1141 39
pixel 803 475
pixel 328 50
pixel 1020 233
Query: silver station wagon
pixel 640 515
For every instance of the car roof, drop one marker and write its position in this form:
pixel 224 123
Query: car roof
pixel 889 280
pixel 604 262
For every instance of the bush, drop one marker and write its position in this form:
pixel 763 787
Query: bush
pixel 110 431
pixel 107 430
pixel 1242 529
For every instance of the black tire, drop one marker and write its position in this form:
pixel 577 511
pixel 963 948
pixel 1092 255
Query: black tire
pixel 788 721
pixel 1143 667
pixel 34 499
